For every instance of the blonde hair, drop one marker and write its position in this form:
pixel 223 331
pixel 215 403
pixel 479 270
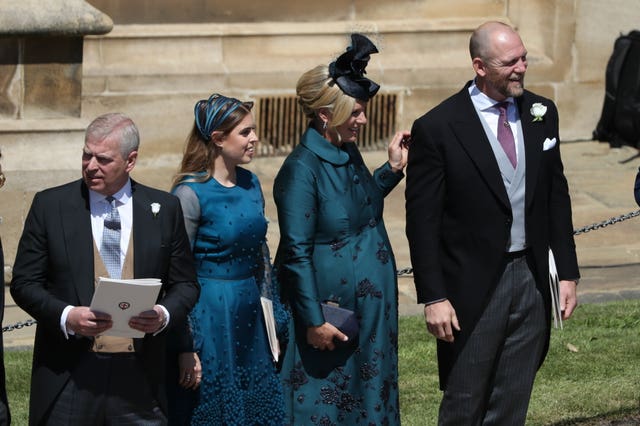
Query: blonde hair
pixel 317 90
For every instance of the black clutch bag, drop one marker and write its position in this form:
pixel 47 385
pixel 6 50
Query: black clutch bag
pixel 343 319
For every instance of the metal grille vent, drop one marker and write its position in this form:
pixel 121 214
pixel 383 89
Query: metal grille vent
pixel 280 123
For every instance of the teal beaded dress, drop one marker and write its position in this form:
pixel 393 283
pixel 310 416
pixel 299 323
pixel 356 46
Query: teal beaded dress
pixel 239 385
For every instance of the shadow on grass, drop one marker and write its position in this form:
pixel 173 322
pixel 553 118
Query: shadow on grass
pixel 624 417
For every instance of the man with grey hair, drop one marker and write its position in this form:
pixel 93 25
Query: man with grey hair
pixel 486 198
pixel 104 224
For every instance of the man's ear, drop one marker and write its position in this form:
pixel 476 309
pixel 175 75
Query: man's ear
pixel 131 160
pixel 479 67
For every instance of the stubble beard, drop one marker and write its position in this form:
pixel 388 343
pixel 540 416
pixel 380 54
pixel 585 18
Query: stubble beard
pixel 515 88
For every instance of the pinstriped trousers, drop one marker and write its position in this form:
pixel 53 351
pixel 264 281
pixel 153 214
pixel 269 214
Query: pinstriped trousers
pixel 492 380
pixel 107 389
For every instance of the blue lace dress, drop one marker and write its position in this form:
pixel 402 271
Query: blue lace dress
pixel 239 385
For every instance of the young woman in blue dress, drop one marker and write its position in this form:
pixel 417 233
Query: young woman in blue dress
pixel 224 215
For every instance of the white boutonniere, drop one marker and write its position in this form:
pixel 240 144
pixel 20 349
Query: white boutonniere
pixel 538 111
pixel 155 209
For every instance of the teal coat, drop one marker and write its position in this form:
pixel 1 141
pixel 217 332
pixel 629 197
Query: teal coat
pixel 334 246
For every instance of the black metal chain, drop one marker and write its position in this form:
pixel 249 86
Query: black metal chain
pixel 409 270
pixel 604 223
pixel 19 325
pixel 583 230
pixel 405 271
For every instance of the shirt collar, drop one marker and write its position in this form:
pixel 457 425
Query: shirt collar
pixel 482 101
pixel 324 149
pixel 122 196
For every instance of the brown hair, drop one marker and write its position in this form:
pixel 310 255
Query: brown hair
pixel 199 153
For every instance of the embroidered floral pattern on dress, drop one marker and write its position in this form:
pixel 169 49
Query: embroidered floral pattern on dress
pixel 297 377
pixel 366 288
pixel 383 254
pixel 323 212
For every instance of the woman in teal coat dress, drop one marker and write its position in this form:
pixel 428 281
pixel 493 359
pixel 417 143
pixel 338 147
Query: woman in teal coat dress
pixel 334 248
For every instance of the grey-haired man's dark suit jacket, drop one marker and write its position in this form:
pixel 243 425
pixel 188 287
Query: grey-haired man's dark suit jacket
pixel 54 268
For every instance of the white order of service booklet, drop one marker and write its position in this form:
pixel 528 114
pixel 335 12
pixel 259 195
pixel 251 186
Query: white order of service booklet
pixel 554 289
pixel 270 324
pixel 123 299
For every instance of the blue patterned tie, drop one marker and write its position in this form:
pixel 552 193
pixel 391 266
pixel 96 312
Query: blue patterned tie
pixel 110 249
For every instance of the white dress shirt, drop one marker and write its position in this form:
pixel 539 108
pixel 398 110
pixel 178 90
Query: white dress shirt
pixel 486 107
pixel 100 208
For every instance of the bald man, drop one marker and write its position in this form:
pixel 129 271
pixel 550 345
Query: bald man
pixel 485 199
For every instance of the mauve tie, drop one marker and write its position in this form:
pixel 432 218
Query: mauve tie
pixel 505 135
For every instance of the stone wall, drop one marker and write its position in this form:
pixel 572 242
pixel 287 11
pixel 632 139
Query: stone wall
pixel 155 65
pixel 580 95
pixel 163 55
pixel 232 11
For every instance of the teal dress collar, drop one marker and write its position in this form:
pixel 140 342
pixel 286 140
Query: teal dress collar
pixel 314 142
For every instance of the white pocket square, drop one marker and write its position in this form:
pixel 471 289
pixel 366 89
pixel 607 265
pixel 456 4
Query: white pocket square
pixel 548 144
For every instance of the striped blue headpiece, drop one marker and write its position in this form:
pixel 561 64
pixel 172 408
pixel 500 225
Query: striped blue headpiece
pixel 211 113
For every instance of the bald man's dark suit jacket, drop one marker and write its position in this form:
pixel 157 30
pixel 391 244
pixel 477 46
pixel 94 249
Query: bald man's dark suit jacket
pixel 54 268
pixel 459 216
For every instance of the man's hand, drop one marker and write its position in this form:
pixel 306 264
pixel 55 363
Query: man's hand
pixel 441 320
pixel 148 321
pixel 85 322
pixel 568 298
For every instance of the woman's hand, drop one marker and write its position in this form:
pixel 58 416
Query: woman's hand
pixel 399 150
pixel 321 337
pixel 190 370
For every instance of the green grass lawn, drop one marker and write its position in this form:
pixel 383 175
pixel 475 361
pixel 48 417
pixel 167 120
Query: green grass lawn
pixel 594 383
pixel 591 375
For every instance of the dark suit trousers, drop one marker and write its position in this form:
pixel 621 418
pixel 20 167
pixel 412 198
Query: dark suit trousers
pixel 491 381
pixel 107 389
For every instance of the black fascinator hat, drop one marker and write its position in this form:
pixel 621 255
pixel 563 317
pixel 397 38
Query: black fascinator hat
pixel 349 69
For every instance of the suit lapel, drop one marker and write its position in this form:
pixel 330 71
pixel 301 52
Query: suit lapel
pixel 533 136
pixel 146 233
pixel 470 134
pixel 144 236
pixel 75 217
